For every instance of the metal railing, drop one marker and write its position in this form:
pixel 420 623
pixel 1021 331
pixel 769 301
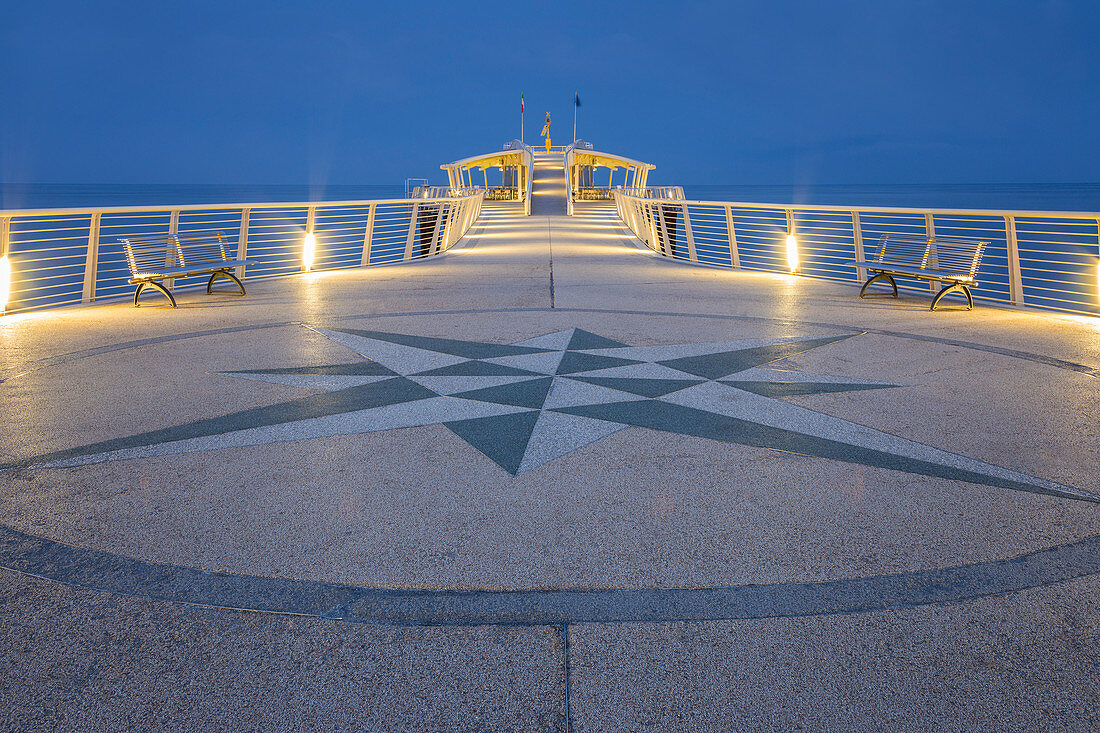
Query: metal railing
pixel 516 165
pixel 669 193
pixel 65 256
pixel 439 192
pixel 529 172
pixel 1041 259
pixel 581 159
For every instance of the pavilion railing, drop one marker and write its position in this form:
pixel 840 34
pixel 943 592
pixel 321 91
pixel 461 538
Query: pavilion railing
pixel 64 256
pixel 672 193
pixel 528 175
pixel 435 192
pixel 1041 259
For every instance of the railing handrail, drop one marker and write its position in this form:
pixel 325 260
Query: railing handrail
pixel 85 211
pixel 1091 215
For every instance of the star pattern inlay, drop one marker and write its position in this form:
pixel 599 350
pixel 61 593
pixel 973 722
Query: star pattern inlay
pixel 526 404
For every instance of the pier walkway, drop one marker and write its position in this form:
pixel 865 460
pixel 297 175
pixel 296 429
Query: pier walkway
pixel 549 480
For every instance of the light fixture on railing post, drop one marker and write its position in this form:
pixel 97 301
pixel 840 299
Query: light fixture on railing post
pixel 309 244
pixel 792 244
pixel 309 248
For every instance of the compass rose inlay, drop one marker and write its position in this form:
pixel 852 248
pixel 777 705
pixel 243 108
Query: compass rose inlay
pixel 527 403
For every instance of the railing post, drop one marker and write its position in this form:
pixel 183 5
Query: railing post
pixel 5 246
pixel 662 230
pixel 368 235
pixel 651 217
pixel 91 260
pixel 930 259
pixel 456 227
pixel 790 231
pixel 1015 277
pixel 735 257
pixel 857 241
pixel 173 231
pixel 242 240
pixel 412 232
pixel 687 231
pixel 445 237
pixel 311 221
pixel 437 234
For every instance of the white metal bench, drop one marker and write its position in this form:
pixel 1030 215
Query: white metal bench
pixel 950 260
pixel 171 256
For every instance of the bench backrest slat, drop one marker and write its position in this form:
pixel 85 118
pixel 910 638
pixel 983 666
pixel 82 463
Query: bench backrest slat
pixel 202 249
pixel 152 254
pixel 946 254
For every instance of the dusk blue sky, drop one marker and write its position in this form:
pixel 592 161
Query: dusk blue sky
pixel 711 92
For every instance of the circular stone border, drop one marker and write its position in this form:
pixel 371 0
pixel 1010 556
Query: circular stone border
pixel 103 571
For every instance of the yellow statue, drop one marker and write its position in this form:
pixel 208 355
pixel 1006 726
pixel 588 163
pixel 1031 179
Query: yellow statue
pixel 546 132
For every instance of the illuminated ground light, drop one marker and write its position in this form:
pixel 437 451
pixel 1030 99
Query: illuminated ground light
pixel 792 253
pixel 309 247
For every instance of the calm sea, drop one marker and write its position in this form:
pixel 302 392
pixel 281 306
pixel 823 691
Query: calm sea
pixel 89 195
pixel 1029 197
pixel 1044 197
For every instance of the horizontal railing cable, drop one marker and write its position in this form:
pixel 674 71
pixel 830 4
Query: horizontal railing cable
pixel 72 255
pixel 1041 259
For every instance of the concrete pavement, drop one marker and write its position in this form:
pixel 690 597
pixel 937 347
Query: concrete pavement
pixel 549 481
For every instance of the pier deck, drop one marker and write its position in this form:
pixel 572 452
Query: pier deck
pixel 668 497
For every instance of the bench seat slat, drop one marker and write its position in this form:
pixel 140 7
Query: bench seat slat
pixel 923 273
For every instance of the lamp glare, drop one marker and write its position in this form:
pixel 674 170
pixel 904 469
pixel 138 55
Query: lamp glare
pixel 792 253
pixel 308 249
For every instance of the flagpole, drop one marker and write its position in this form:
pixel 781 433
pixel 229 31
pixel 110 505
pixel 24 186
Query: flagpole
pixel 521 118
pixel 575 97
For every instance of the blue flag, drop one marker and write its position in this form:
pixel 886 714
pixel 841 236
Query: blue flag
pixel 576 100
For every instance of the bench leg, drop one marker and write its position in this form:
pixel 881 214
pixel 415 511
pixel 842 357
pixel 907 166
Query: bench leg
pixel 156 286
pixel 949 288
pixel 229 276
pixel 874 279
